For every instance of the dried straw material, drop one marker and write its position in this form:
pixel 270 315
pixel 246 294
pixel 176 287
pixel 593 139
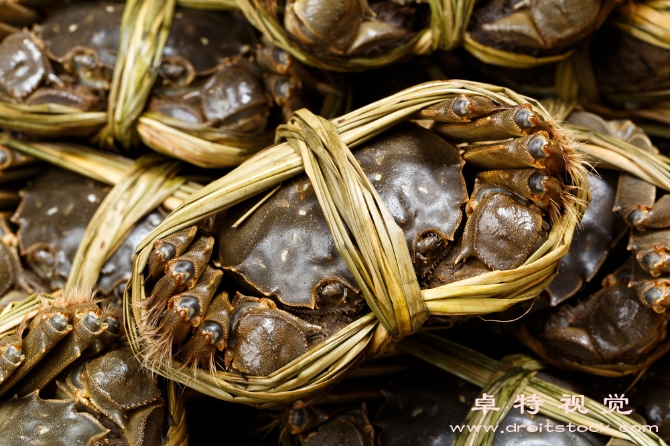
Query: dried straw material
pixel 449 19
pixel 378 258
pixel 100 166
pixel 147 183
pixel 508 59
pixel 512 376
pixel 177 434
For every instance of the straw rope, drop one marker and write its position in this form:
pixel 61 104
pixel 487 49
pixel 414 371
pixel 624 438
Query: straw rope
pixel 149 181
pixel 514 375
pixel 378 258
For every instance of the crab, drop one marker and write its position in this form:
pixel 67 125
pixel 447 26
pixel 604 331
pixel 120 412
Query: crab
pixel 106 399
pixel 53 215
pixel 611 326
pixel 282 269
pixel 206 76
pixel 625 63
pixel 647 217
pixel 536 27
pixel 348 27
pixel 396 409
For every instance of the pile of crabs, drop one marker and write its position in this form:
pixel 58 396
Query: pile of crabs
pixel 476 185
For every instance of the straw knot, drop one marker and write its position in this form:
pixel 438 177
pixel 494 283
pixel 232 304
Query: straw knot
pixel 509 379
pixel 377 256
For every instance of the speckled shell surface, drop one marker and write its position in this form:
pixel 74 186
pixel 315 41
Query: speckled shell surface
pixel 285 248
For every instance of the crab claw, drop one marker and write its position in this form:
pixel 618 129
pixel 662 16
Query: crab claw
pixel 501 232
pixel 266 339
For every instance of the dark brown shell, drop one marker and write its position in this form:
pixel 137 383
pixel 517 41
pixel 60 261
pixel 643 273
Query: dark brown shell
pixel 205 38
pixel 591 242
pixel 93 25
pixel 119 379
pixel 52 217
pixel 285 248
pixel 32 420
pixel 608 327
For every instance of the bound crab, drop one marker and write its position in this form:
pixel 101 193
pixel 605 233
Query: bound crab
pixel 222 80
pixel 53 215
pixel 619 326
pixel 101 400
pixel 536 27
pixel 286 287
pixel 647 217
pixel 350 27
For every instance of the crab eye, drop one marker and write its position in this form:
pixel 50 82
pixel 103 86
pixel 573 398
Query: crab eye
pixel 58 321
pixel 190 306
pixel 537 145
pixel 536 183
pixel 214 329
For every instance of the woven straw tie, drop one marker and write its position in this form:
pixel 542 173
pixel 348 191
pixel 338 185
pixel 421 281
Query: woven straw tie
pixel 378 256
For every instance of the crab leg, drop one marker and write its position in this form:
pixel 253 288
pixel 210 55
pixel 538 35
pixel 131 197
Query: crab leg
pixel 518 121
pixel 87 325
pixel 212 333
pixel 10 355
pixel 538 151
pixel 185 310
pixel 47 329
pixel 168 248
pixel 181 273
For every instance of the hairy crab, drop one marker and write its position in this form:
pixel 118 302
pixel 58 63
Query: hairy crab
pixel 647 217
pixel 291 285
pixel 222 80
pixel 616 328
pixel 106 400
pixel 53 215
pixel 536 27
pixel 349 27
